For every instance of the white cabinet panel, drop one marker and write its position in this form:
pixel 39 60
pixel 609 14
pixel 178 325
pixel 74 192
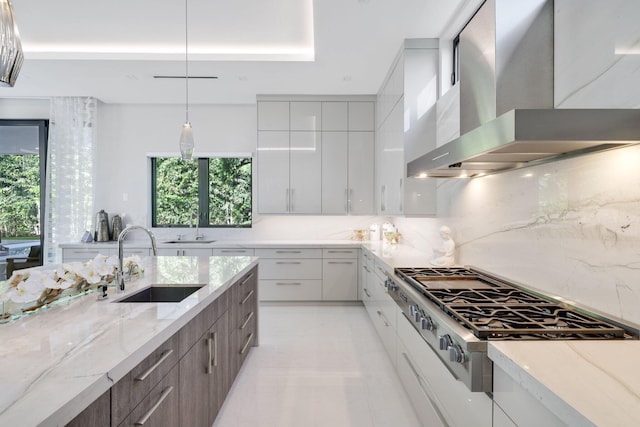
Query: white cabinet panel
pixel 340 279
pixel 232 252
pixel 334 116
pixel 361 116
pixel 273 172
pixel 185 251
pixel 288 253
pixel 290 269
pixel 361 172
pixel 306 115
pixel 335 171
pixel 273 115
pixel 290 290
pixel 305 173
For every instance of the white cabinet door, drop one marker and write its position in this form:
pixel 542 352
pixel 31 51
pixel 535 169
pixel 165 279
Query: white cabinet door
pixel 335 187
pixel 340 279
pixel 273 115
pixel 361 173
pixel 361 116
pixel 334 116
pixel 305 173
pixel 306 115
pixel 273 172
pixel 390 163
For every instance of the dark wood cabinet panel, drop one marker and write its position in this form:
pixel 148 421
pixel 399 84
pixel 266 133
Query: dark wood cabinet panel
pixel 161 407
pixel 98 414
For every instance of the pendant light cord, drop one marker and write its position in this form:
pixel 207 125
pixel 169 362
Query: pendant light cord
pixel 186 55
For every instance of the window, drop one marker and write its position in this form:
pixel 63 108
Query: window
pixel 215 192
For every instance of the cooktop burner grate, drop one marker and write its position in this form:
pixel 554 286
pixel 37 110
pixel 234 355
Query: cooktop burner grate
pixel 495 310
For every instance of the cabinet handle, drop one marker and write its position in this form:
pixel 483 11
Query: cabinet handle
pixel 366 292
pixel 233 251
pixel 346 200
pixel 288 283
pixel 215 349
pixel 246 344
pixel 288 252
pixel 426 390
pixel 367 269
pixel 210 354
pixel 288 262
pixel 336 251
pixel 247 279
pixel 401 193
pixel 383 195
pixel 247 297
pixel 350 199
pixel 154 366
pixel 340 262
pixel 291 200
pixel 384 319
pixel 244 324
pixel 286 207
pixel 146 416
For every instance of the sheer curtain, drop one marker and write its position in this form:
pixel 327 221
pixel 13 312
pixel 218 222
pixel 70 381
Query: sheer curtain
pixel 70 172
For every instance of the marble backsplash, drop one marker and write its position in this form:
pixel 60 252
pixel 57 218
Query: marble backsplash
pixel 570 228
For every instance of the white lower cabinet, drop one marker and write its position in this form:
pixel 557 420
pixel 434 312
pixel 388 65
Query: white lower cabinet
pixel 454 403
pixel 290 274
pixel 185 251
pixel 500 418
pixel 518 405
pixel 339 274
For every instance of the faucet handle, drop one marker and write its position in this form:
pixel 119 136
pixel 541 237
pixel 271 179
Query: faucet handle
pixel 179 236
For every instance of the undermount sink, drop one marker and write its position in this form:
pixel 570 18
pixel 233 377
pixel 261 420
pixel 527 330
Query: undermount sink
pixel 190 241
pixel 162 293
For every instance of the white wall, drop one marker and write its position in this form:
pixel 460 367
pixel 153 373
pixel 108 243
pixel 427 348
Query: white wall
pixel 35 109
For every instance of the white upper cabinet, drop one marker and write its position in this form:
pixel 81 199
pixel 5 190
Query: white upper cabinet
pixel 361 116
pixel 273 172
pixel 335 165
pixel 406 129
pixel 323 163
pixel 273 115
pixel 305 115
pixel 305 173
pixel 335 116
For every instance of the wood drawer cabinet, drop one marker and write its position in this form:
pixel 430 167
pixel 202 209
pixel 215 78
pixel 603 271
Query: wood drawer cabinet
pixel 160 407
pixel 127 393
pixel 185 381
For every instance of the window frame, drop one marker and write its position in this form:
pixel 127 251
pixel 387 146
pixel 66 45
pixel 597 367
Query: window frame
pixel 203 191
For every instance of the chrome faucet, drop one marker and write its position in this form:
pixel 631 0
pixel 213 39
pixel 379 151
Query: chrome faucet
pixel 123 234
pixel 194 216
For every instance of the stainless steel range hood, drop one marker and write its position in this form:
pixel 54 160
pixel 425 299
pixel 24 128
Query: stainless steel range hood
pixel 507 119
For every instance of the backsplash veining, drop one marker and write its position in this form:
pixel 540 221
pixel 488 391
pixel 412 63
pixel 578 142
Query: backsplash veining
pixel 570 228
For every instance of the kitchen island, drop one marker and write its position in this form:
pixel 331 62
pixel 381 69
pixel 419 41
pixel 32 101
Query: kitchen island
pixel 57 362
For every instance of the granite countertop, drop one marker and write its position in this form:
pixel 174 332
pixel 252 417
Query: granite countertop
pixel 56 362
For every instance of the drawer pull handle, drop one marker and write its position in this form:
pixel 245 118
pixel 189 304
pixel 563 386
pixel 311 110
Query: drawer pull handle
pixel 384 319
pixel 246 344
pixel 341 262
pixel 146 416
pixel 247 297
pixel 288 252
pixel 244 324
pixel 339 252
pixel 366 292
pixel 215 349
pixel 288 283
pixel 153 367
pixel 288 262
pixel 367 268
pixel 247 279
pixel 210 353
pixel 233 251
pixel 426 389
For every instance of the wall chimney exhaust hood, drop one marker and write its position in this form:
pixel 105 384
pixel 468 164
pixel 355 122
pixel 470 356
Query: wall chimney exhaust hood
pixel 507 115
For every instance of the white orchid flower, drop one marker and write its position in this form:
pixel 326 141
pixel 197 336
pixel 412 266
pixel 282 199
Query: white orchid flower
pixel 43 277
pixel 89 273
pixel 64 278
pixel 26 291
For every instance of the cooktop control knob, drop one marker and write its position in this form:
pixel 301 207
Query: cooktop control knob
pixel 445 342
pixel 392 285
pixel 456 354
pixel 413 309
pixel 418 315
pixel 426 322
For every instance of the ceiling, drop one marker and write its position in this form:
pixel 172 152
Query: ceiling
pixel 112 49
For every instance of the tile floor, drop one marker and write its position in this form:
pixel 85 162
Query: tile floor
pixel 317 366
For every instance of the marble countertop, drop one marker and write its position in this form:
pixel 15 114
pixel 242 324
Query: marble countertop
pixel 163 243
pixel 56 362
pixel 582 382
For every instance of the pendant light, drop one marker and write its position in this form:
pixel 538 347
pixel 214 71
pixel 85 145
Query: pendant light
pixel 186 137
pixel 11 56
